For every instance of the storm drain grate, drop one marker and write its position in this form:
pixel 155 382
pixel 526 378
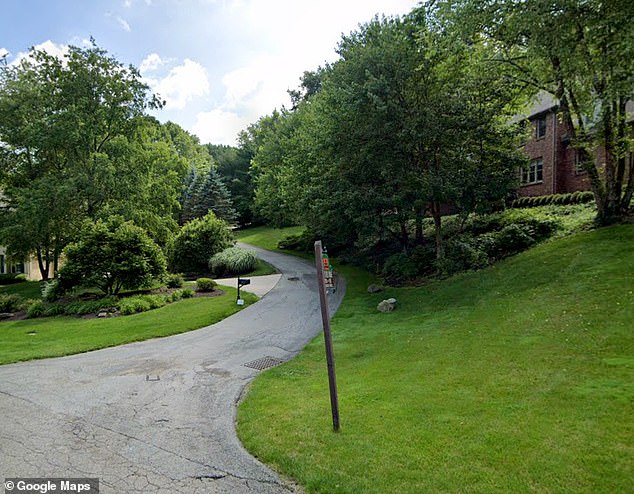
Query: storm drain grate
pixel 263 363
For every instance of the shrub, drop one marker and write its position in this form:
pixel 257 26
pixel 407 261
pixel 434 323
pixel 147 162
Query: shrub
pixel 510 240
pixel 52 290
pixel 82 307
pixel 111 256
pixel 133 305
pixel 461 255
pixel 11 303
pixel 174 280
pixel 155 301
pixel 205 284
pixel 175 296
pixel 233 261
pixel 57 309
pixel 188 293
pixel 197 242
pixel 36 309
pixel 398 269
pixel 537 224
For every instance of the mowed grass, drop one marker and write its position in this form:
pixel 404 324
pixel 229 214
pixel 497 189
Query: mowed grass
pixel 27 289
pixel 57 336
pixel 267 237
pixel 515 379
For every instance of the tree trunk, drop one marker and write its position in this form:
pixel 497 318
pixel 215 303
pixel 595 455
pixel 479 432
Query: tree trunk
pixel 419 226
pixel 43 263
pixel 435 211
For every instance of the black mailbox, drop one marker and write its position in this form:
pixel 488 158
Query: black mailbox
pixel 244 281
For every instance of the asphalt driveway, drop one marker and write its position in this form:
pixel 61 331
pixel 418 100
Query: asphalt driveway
pixel 158 416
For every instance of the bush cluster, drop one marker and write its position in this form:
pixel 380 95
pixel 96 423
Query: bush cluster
pixel 197 242
pixel 233 261
pixel 553 199
pixel 12 303
pixel 174 280
pixel 126 306
pixel 482 241
pixel 40 308
pixel 205 284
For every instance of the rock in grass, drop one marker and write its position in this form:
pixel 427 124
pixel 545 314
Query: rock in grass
pixel 386 305
pixel 375 288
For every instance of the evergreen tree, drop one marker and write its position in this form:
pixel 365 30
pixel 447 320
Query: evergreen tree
pixel 213 195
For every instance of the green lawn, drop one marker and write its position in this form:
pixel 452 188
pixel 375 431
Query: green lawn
pixel 56 336
pixel 514 379
pixel 266 237
pixel 26 289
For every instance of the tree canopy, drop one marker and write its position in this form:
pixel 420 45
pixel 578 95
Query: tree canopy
pixel 76 143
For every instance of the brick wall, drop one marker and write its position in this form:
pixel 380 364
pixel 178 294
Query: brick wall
pixel 543 148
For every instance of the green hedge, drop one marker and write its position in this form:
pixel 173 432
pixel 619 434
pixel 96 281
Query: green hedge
pixel 578 197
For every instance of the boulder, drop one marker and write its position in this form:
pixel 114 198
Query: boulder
pixel 387 305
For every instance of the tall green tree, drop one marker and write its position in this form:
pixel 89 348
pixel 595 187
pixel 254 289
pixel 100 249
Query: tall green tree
pixel 233 167
pixel 404 123
pixel 76 144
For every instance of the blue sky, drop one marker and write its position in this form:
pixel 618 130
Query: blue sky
pixel 219 64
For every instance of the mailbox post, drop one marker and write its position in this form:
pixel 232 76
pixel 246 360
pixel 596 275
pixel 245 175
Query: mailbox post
pixel 242 282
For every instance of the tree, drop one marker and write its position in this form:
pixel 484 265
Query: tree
pixel 582 53
pixel 77 123
pixel 213 195
pixel 233 168
pixel 112 256
pixel 197 241
pixel 403 123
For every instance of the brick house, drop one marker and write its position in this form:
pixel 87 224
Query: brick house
pixel 555 166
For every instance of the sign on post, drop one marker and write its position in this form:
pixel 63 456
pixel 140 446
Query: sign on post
pixel 324 279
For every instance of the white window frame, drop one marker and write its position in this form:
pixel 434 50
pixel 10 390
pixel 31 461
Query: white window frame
pixel 533 173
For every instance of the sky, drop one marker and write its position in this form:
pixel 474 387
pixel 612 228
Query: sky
pixel 218 64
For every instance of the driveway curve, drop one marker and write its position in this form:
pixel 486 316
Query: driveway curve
pixel 158 416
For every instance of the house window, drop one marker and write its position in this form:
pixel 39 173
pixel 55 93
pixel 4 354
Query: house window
pixel 540 128
pixel 17 268
pixel 581 160
pixel 533 173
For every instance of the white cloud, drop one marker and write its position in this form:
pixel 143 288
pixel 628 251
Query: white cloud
pixel 183 83
pixel 219 126
pixel 124 24
pixel 54 49
pixel 150 63
pixel 4 52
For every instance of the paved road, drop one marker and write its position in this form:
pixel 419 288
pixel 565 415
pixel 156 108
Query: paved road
pixel 98 415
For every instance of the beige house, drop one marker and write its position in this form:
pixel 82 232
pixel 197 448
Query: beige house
pixel 29 268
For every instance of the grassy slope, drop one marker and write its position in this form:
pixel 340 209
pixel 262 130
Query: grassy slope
pixel 266 237
pixel 56 336
pixel 518 378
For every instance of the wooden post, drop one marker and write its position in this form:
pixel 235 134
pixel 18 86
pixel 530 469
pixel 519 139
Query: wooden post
pixel 332 380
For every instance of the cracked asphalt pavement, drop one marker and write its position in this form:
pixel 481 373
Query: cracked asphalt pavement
pixel 158 416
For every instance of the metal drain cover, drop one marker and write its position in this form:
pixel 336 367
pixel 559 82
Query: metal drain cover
pixel 263 363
